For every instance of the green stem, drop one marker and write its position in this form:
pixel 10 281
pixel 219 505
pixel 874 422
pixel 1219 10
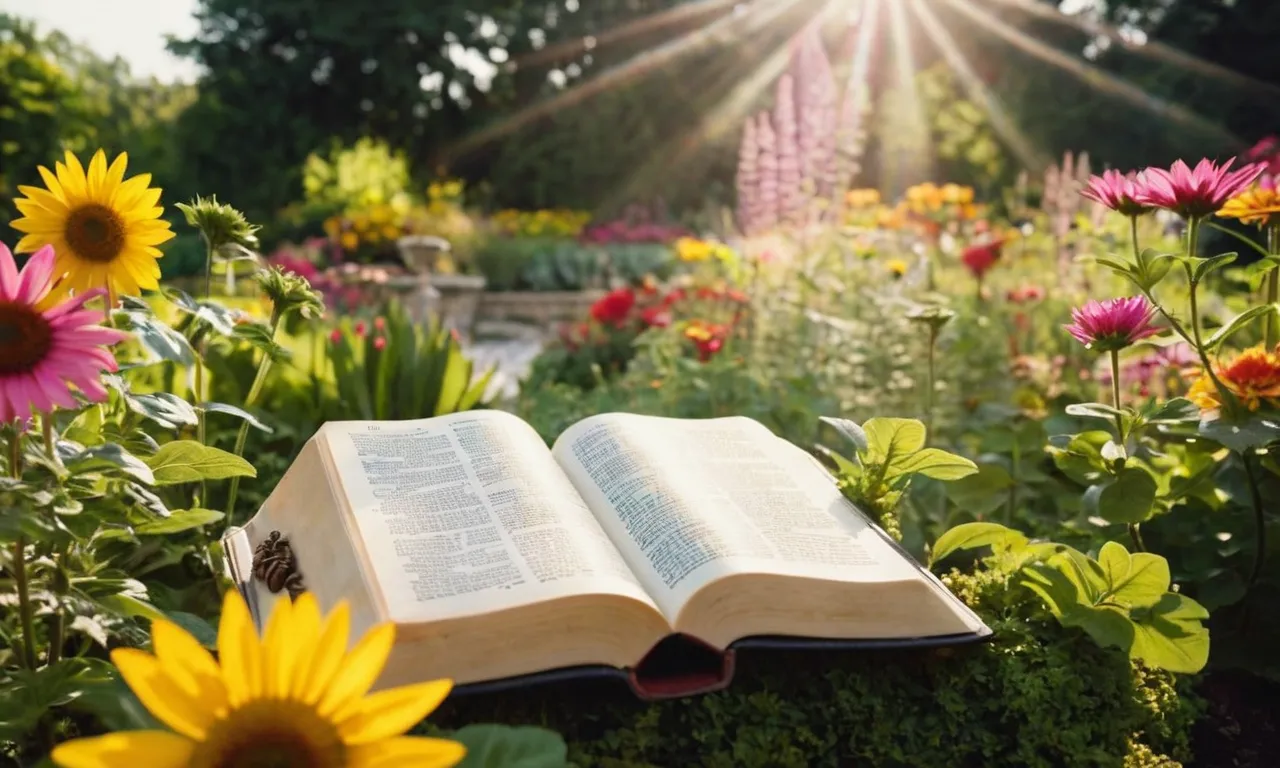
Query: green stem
pixel 1273 287
pixel 929 381
pixel 59 629
pixel 201 431
pixel 1193 234
pixel 242 436
pixel 1134 533
pixel 1259 522
pixel 1133 234
pixel 28 655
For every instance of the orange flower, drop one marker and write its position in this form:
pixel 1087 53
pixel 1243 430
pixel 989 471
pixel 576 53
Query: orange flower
pixel 1257 205
pixel 1253 377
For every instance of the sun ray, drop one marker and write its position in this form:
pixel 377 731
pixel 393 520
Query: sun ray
pixel 1103 81
pixel 1003 125
pixel 914 159
pixel 723 31
pixel 1150 49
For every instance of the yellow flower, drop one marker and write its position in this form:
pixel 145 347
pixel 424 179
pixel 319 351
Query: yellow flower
pixel 862 198
pixel 1253 377
pixel 103 228
pixel 1257 205
pixel 956 194
pixel 924 197
pixel 897 267
pixel 295 697
pixel 692 249
pixel 890 218
pixel 350 241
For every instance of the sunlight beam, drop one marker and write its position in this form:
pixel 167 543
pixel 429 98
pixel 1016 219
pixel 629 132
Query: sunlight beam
pixel 1151 49
pixel 977 90
pixel 914 161
pixel 1091 75
pixel 721 31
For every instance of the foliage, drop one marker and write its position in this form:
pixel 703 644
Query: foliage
pixel 1037 694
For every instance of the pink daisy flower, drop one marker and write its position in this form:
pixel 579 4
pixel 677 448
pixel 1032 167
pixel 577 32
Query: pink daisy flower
pixel 46 352
pixel 1113 324
pixel 1116 191
pixel 1195 194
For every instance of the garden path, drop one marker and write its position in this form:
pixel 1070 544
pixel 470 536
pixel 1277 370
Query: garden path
pixel 510 346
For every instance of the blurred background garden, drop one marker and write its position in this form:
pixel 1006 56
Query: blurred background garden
pixel 783 209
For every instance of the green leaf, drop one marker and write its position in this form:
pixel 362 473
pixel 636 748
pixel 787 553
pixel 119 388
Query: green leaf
pixel 201 630
pixel 159 340
pixel 934 463
pixel 504 746
pixel 1109 627
pixel 187 461
pixel 1083 572
pixel 111 456
pixel 1093 411
pixel 178 521
pixel 1126 499
pixel 844 467
pixel 983 491
pixel 1202 268
pixel 974 535
pixel 1152 268
pixel 1133 580
pixel 1117 266
pixel 888 438
pixel 1081 457
pixel 239 413
pixel 848 429
pixel 164 408
pixel 1170 635
pixel 1241 436
pixel 261 338
pixel 1238 322
pixel 1177 410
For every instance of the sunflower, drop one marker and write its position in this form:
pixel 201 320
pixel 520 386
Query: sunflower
pixel 295 698
pixel 1257 205
pixel 103 228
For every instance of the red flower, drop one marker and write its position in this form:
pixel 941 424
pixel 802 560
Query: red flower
pixel 360 328
pixel 379 343
pixel 614 307
pixel 980 258
pixel 656 317
pixel 1026 294
pixel 335 335
pixel 674 296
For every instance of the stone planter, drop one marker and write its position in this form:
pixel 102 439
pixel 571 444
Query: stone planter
pixel 457 300
pixel 421 253
pixel 545 309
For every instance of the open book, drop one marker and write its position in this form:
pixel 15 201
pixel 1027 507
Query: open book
pixel 498 558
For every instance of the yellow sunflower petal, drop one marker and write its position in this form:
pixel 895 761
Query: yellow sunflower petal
pixel 45 199
pixel 154 749
pixel 131 190
pixel 330 649
pixel 28 243
pixel 304 633
pixel 359 671
pixel 239 651
pixel 418 751
pixel 115 174
pixel 189 664
pixel 73 178
pixel 161 694
pixel 391 713
pixel 51 181
pixel 31 226
pixel 97 174
pixel 155 237
pixel 278 650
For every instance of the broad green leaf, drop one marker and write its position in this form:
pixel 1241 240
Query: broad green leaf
pixel 1109 627
pixel 1152 268
pixel 239 413
pixel 504 746
pixel 111 456
pixel 453 381
pixel 842 465
pixel 178 521
pixel 160 341
pixel 164 408
pixel 1170 636
pixel 1126 499
pixel 1138 579
pixel 889 438
pixel 983 491
pixel 932 462
pixel 1083 571
pixel 1179 409
pixel 1051 585
pixel 1081 458
pixel 1202 268
pixel 187 461
pixel 1243 435
pixel 127 605
pixel 1238 322
pixel 849 429
pixel 974 535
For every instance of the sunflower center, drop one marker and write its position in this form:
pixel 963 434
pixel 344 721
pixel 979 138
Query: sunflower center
pixel 95 233
pixel 25 338
pixel 271 733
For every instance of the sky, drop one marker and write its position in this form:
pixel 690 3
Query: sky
pixel 133 29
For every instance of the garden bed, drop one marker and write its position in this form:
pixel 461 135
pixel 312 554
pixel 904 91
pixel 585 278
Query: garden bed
pixel 541 308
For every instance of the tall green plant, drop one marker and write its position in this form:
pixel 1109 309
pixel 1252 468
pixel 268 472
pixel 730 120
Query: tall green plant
pixel 400 369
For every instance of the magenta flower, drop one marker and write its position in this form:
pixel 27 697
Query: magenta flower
pixel 1195 194
pixel 44 353
pixel 1116 191
pixel 1113 324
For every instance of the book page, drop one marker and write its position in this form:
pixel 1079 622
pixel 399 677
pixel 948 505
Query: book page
pixel 469 513
pixel 690 501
